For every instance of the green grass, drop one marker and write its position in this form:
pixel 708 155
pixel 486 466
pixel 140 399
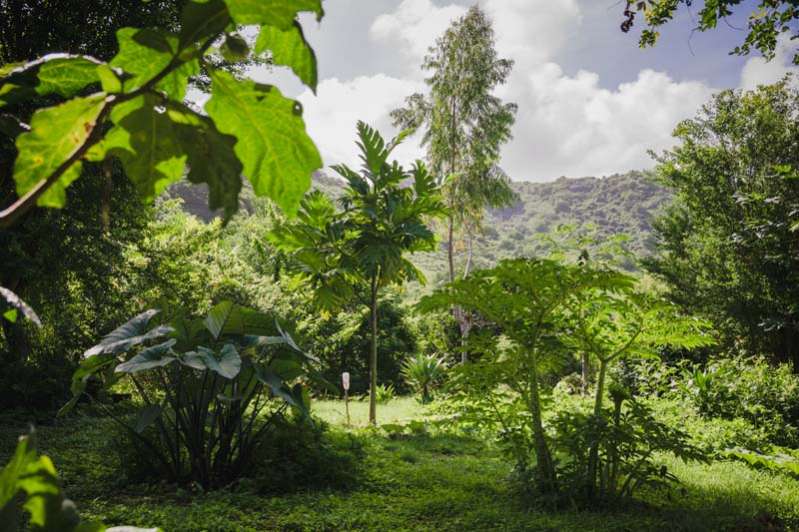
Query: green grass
pixel 422 482
pixel 399 410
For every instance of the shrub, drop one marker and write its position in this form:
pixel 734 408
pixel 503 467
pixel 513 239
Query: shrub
pixel 304 455
pixel 422 373
pixel 546 311
pixel 627 438
pixel 383 393
pixel 767 396
pixel 212 389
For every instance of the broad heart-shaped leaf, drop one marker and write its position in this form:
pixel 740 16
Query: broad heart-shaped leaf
pixel 131 334
pixel 277 154
pixel 143 53
pixel 56 134
pixel 201 20
pixel 87 368
pixel 228 365
pixel 229 318
pixel 211 157
pixel 289 48
pixel 144 139
pixel 279 13
pixel 276 385
pixel 152 357
pixel 61 74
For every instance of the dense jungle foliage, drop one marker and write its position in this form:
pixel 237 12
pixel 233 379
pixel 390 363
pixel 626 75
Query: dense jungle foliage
pixel 201 330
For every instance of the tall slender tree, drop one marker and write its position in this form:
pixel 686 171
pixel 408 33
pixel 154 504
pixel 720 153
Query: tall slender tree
pixel 464 125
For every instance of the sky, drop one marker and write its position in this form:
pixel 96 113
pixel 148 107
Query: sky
pixel 591 103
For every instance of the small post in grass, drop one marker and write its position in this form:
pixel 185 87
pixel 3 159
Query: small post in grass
pixel 345 383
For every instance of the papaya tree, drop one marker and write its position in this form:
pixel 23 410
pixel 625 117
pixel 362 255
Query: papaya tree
pixel 611 322
pixel 527 300
pixel 353 253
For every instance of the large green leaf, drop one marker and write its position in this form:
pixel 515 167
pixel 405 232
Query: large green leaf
pixel 145 141
pixel 201 20
pixel 134 332
pixel 276 385
pixel 211 158
pixel 227 365
pixel 36 477
pixel 144 53
pixel 62 74
pixel 229 318
pixel 153 357
pixel 279 13
pixel 277 154
pixel 56 134
pixel 289 48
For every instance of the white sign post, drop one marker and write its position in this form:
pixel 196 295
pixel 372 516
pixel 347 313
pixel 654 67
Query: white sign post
pixel 345 383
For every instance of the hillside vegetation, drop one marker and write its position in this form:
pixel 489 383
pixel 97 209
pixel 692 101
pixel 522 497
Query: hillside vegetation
pixel 620 204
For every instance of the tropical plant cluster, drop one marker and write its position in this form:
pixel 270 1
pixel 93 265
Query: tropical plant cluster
pixel 199 365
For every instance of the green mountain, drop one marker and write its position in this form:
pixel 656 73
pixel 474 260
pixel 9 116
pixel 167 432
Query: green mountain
pixel 613 205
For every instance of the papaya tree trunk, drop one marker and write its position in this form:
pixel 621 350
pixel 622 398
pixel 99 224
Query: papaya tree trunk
pixel 593 456
pixel 373 355
pixel 544 464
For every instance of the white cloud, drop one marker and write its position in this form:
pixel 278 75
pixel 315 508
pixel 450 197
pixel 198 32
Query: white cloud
pixel 757 71
pixel 568 123
pixel 331 116
pixel 414 26
pixel 572 126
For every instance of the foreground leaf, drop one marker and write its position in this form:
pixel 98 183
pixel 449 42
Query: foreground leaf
pixel 56 134
pixel 289 48
pixel 62 74
pixel 211 158
pixel 143 53
pixel 277 154
pixel 279 13
pixel 144 139
pixel 201 20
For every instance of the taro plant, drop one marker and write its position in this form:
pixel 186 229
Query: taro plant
pixel 352 255
pixel 211 388
pixel 29 481
pixel 423 372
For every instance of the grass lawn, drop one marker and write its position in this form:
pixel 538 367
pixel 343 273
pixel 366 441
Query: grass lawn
pixel 412 482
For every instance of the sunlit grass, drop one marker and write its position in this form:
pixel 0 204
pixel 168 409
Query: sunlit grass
pixel 398 410
pixel 434 481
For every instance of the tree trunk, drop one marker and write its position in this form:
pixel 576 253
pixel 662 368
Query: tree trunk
pixel 450 248
pixel 544 464
pixel 593 456
pixel 586 373
pixel 373 357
